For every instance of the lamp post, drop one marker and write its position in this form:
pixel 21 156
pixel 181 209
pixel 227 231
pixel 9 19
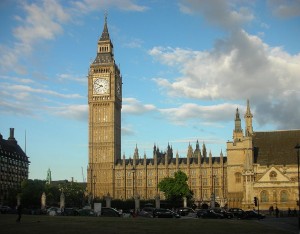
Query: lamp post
pixel 94 189
pixel 214 193
pixel 297 147
pixel 133 171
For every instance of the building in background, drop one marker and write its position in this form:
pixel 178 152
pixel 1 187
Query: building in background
pixel 14 166
pixel 262 165
pixel 258 164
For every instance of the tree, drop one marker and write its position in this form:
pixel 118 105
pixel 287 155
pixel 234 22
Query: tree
pixel 31 192
pixel 175 188
pixel 74 193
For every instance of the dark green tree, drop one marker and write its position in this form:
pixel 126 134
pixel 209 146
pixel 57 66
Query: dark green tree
pixel 175 188
pixel 31 192
pixel 74 193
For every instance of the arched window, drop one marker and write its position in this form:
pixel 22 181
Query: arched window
pixel 273 175
pixel 264 196
pixel 238 177
pixel 284 196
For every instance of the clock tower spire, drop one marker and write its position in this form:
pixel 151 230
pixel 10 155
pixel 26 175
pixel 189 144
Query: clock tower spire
pixel 105 103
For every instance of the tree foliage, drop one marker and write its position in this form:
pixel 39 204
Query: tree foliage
pixel 32 190
pixel 175 188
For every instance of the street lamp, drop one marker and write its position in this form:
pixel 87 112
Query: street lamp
pixel 94 192
pixel 214 192
pixel 297 147
pixel 133 171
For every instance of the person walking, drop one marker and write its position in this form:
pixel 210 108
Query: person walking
pixel 277 212
pixel 19 212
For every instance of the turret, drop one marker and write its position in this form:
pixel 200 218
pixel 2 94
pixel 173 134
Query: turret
pixel 190 152
pixel 136 153
pixel 237 132
pixel 204 152
pixel 248 121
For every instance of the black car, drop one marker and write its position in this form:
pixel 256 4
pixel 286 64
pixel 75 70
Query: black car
pixel 109 212
pixel 237 212
pixel 209 214
pixel 146 212
pixel 184 211
pixel 225 213
pixel 165 213
pixel 70 212
pixel 5 209
pixel 251 214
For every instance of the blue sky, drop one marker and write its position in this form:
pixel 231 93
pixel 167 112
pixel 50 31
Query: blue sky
pixel 186 66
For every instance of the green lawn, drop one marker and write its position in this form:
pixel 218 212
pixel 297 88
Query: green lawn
pixel 32 224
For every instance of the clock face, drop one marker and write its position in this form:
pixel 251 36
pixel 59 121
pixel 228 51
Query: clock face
pixel 101 86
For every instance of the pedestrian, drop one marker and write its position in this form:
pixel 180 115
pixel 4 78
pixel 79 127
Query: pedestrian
pixel 271 210
pixel 277 212
pixel 19 212
pixel 289 212
pixel 294 212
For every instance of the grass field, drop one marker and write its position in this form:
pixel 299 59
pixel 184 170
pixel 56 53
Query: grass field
pixel 32 224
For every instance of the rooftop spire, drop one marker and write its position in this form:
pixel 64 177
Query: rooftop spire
pixel 105 34
pixel 248 112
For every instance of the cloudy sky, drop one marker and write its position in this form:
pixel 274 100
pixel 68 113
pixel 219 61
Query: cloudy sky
pixel 186 66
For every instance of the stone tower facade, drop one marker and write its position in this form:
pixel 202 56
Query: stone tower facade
pixel 105 103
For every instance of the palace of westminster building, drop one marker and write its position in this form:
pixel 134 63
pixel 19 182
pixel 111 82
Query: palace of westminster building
pixel 258 164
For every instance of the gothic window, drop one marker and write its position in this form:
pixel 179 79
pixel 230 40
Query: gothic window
pixel 238 177
pixel 204 182
pixel 216 181
pixel 193 182
pixel 273 175
pixel 129 182
pixel 139 182
pixel 264 196
pixel 284 196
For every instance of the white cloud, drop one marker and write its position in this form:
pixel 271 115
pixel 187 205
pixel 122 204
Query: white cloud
pixel 135 107
pixel 238 68
pixel 75 112
pixel 285 9
pixel 91 5
pixel 191 111
pixel 225 14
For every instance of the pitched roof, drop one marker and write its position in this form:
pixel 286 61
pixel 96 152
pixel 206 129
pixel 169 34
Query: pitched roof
pixel 277 147
pixel 11 149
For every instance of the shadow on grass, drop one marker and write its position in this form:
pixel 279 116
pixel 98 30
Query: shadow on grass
pixel 31 224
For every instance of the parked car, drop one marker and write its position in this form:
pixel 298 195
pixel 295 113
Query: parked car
pixel 184 211
pixel 53 211
pixel 5 209
pixel 209 214
pixel 251 214
pixel 237 212
pixel 109 212
pixel 86 212
pixel 70 212
pixel 165 213
pixel 225 213
pixel 147 212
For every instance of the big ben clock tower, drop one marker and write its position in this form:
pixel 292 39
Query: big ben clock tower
pixel 105 103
